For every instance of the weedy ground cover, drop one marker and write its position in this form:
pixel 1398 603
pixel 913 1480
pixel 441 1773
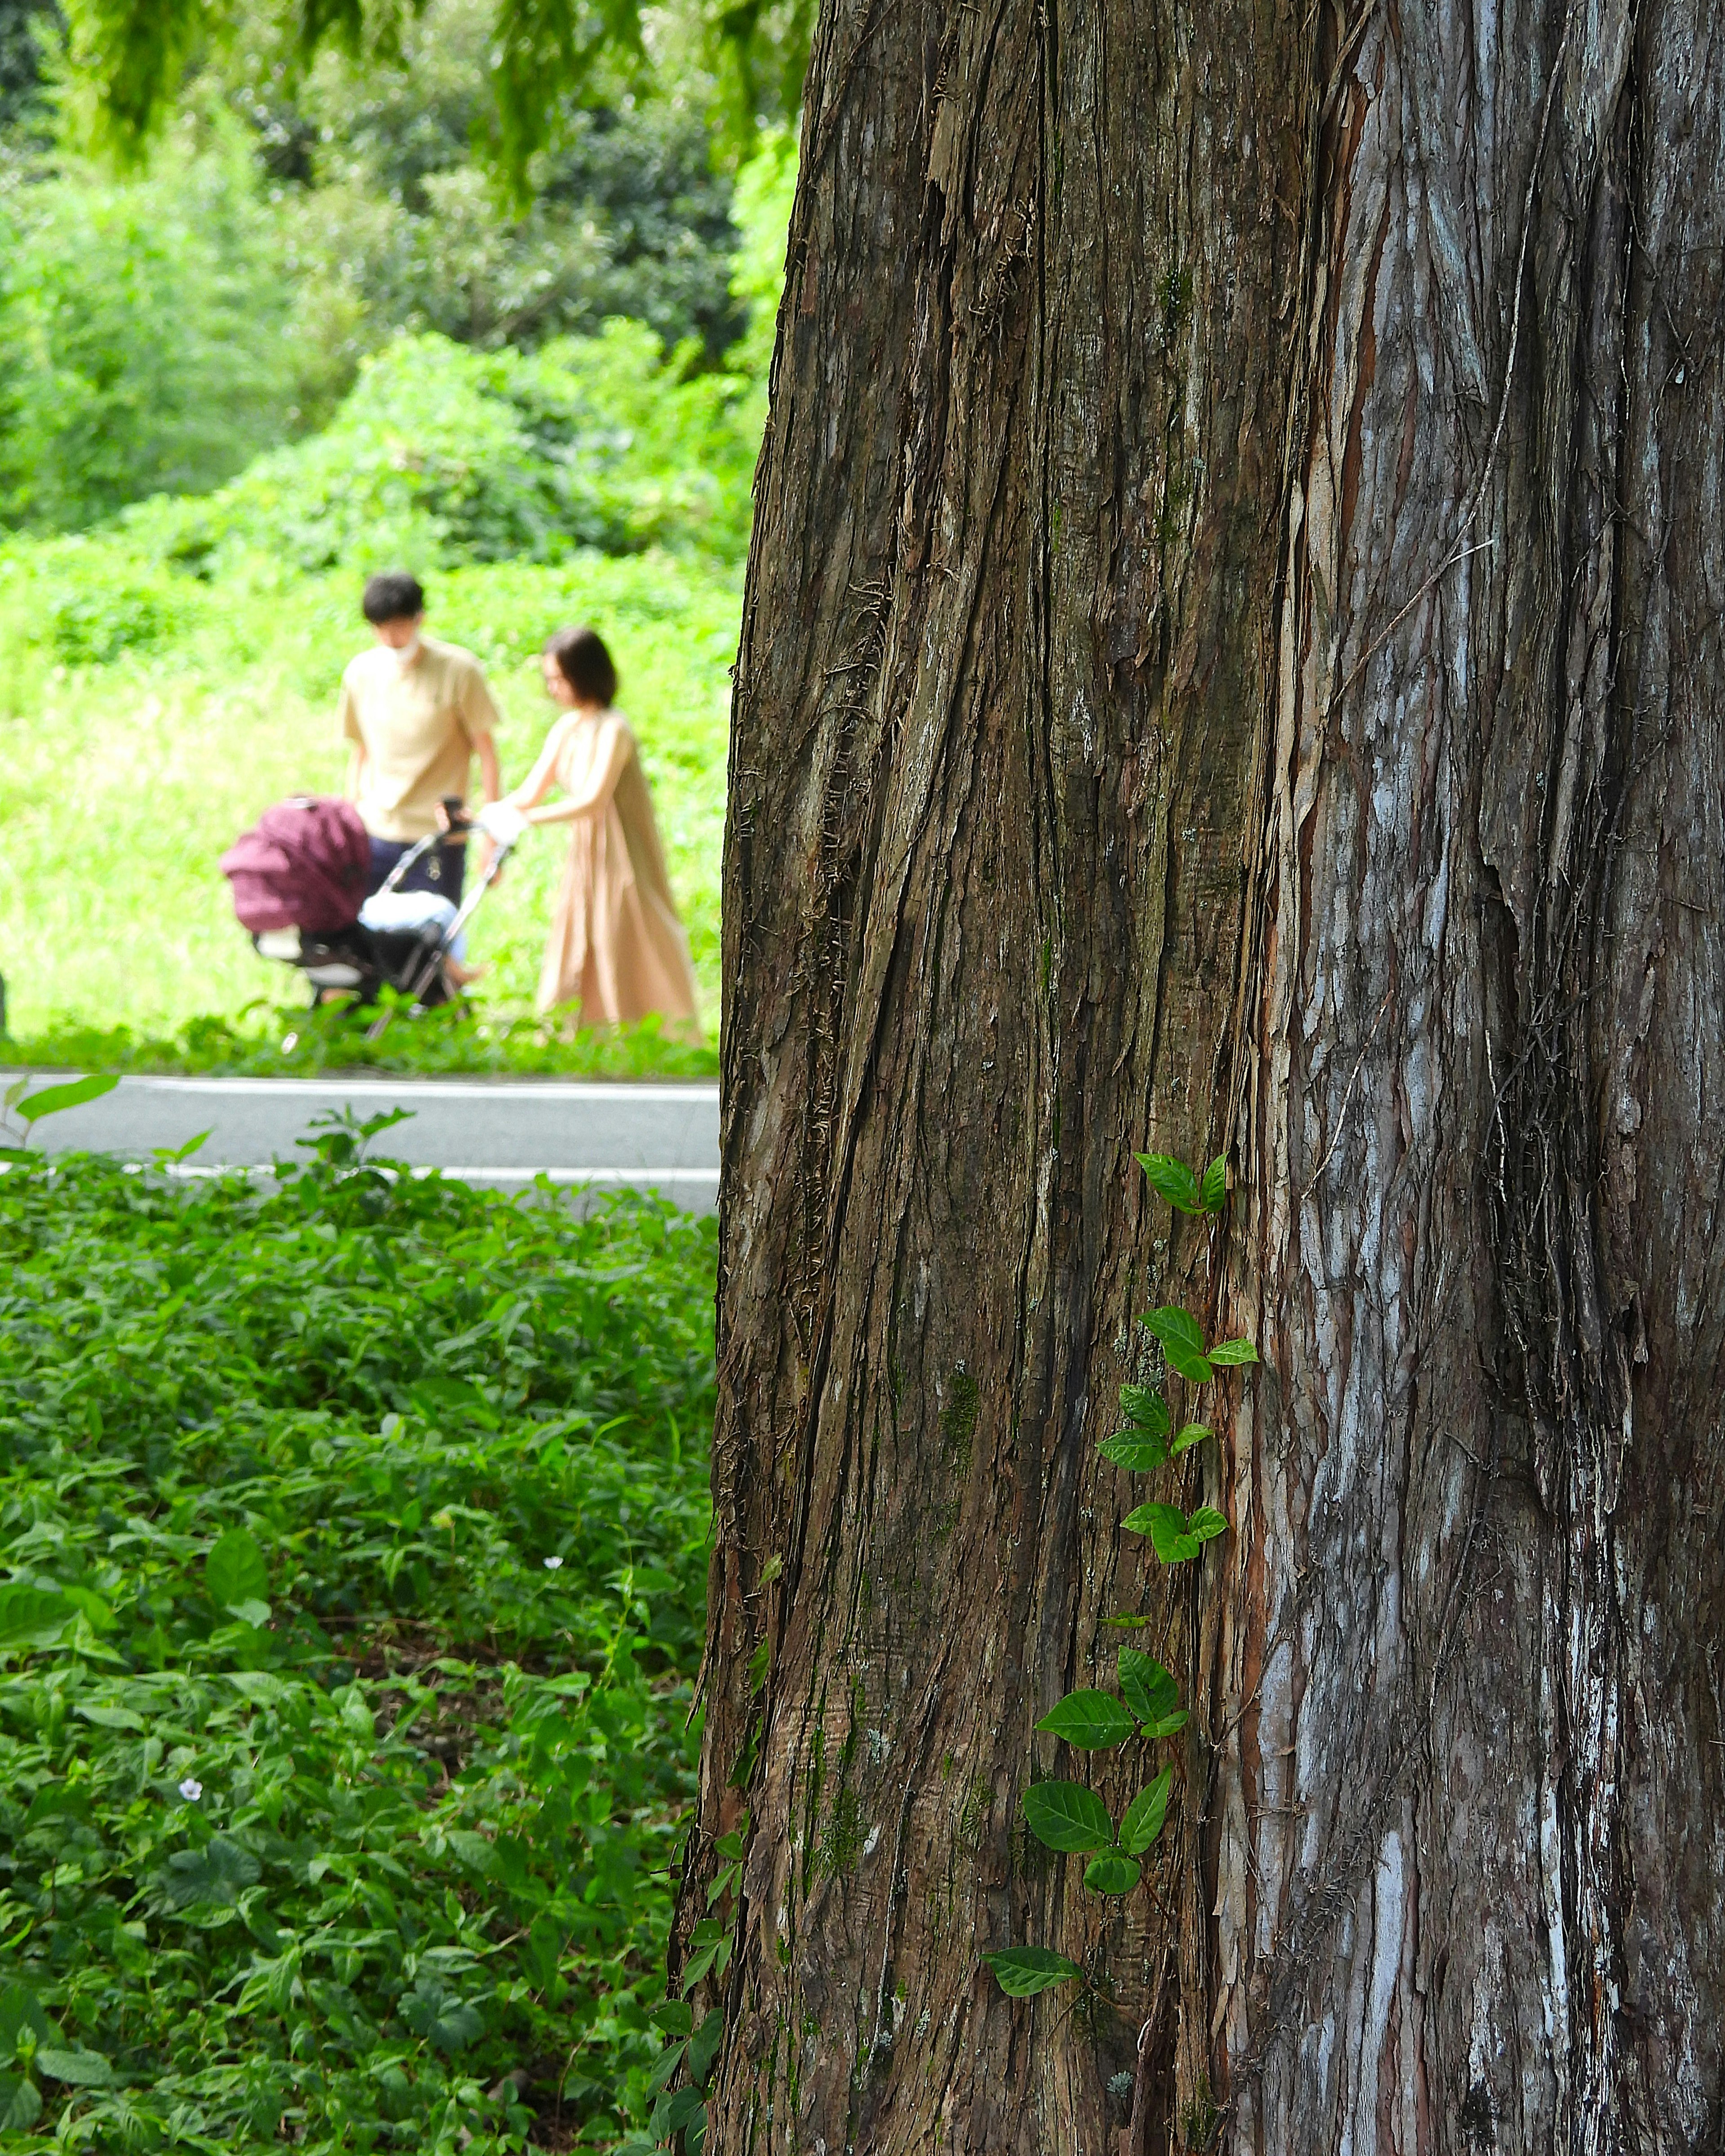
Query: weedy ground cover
pixel 264 1042
pixel 352 1533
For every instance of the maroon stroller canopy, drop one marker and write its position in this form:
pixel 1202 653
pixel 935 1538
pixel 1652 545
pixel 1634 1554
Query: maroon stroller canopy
pixel 304 865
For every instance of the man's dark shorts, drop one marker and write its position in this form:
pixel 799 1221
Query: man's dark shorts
pixel 440 870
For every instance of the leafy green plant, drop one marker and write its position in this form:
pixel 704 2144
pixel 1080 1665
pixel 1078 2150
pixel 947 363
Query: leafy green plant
pixel 351 1555
pixel 1066 1816
pixel 140 335
pixel 271 1043
pixel 29 1106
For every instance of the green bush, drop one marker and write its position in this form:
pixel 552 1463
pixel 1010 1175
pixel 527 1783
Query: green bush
pixel 353 1534
pixel 441 454
pixel 141 335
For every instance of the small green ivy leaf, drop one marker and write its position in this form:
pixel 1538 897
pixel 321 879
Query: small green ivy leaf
pixel 1194 1432
pixel 1066 1816
pixel 664 2066
pixel 1145 1408
pixel 1146 1813
pixel 1021 1972
pixel 1206 1523
pixel 1165 1527
pixel 1090 1721
pixel 1136 1451
pixel 1172 1179
pixel 672 2113
pixel 1227 1353
pixel 1111 1874
pixel 1213 1191
pixel 1145 1685
pixel 676 2016
pixel 1181 1339
pixel 704 2048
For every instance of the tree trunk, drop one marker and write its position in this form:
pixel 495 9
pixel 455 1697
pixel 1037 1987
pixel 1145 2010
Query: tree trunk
pixel 1231 664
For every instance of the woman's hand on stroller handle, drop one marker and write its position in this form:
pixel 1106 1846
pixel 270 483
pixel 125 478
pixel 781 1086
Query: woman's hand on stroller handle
pixel 502 821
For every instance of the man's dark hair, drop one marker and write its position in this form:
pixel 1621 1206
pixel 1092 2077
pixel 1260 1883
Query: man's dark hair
pixel 392 595
pixel 584 664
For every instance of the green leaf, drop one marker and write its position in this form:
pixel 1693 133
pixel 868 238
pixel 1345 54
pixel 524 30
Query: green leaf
pixel 258 1687
pixel 32 1617
pixel 215 1876
pixel 1173 1180
pixel 682 2109
pixel 703 2045
pixel 1136 1451
pixel 20 2009
pixel 52 1100
pixel 1146 1813
pixel 442 2020
pixel 91 1607
pixel 1227 1353
pixel 79 2069
pixel 1145 1685
pixel 235 1571
pixel 1126 1622
pixel 665 2066
pixel 20 2104
pixel 1165 1527
pixel 676 2016
pixel 108 1717
pixel 1145 1408
pixel 1021 1972
pixel 1206 1523
pixel 1066 1816
pixel 1181 1339
pixel 474 1849
pixel 1194 1432
pixel 1110 1874
pixel 1213 1191
pixel 1089 1720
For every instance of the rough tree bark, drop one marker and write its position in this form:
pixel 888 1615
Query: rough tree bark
pixel 1231 662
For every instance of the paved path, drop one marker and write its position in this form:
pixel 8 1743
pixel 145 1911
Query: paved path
pixel 495 1132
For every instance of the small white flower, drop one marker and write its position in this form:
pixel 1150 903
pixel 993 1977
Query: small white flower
pixel 289 1043
pixel 553 1563
pixel 191 1788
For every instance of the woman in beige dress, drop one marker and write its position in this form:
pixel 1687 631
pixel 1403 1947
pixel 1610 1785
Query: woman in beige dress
pixel 616 946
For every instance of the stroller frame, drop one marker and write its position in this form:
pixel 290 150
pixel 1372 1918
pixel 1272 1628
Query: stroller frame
pixel 355 960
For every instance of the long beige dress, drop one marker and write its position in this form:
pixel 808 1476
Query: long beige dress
pixel 617 947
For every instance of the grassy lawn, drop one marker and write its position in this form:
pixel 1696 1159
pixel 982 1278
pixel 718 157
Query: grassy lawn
pixel 353 1534
pixel 148 717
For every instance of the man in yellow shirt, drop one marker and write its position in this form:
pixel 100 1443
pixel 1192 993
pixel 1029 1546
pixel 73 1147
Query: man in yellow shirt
pixel 415 712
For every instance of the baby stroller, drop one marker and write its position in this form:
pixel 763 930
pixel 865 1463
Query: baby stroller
pixel 299 879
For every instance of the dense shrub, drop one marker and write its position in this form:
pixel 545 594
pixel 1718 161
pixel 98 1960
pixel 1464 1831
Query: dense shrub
pixel 351 1564
pixel 141 337
pixel 443 454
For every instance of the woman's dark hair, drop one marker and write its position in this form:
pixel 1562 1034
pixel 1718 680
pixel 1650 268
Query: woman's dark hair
pixel 391 596
pixel 584 664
